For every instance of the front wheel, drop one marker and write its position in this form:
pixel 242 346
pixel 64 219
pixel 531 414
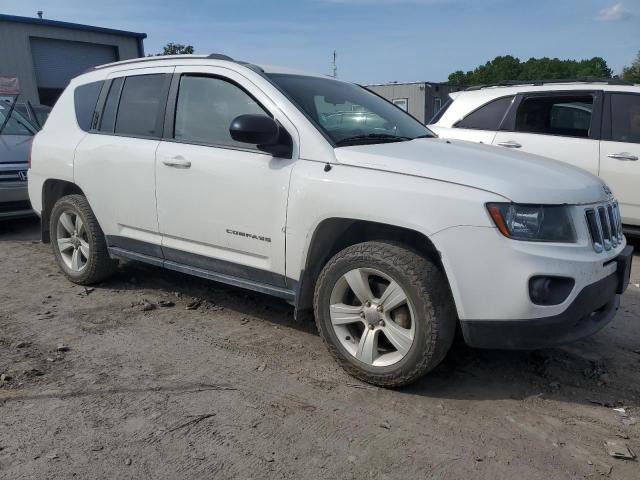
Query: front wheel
pixel 385 313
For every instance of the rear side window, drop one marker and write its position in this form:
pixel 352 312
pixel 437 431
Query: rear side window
pixel 108 121
pixel 487 117
pixel 625 118
pixel 143 97
pixel 85 98
pixel 568 116
pixel 206 107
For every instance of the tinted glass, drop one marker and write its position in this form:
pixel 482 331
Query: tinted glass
pixel 349 114
pixel 436 118
pixel 207 106
pixel 108 121
pixel 85 99
pixel 565 115
pixel 487 117
pixel 17 124
pixel 140 104
pixel 625 118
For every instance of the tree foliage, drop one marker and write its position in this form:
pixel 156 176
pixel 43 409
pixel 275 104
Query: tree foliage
pixel 632 73
pixel 503 68
pixel 176 49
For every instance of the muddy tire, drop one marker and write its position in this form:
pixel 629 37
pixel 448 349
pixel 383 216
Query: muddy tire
pixel 78 242
pixel 385 313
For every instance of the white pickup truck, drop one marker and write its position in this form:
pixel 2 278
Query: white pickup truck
pixel 324 194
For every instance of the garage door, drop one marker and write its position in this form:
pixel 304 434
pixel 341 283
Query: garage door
pixel 58 61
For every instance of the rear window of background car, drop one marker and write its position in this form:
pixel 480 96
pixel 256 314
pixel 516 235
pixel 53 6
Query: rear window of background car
pixel 487 117
pixel 85 99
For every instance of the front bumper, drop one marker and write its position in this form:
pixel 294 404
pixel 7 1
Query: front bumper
pixel 593 308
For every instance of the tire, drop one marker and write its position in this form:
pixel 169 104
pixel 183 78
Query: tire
pixel 428 302
pixel 93 263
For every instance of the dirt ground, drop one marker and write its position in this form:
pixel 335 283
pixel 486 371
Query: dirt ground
pixel 235 389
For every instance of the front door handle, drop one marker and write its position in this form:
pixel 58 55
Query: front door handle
pixel 624 156
pixel 510 144
pixel 177 162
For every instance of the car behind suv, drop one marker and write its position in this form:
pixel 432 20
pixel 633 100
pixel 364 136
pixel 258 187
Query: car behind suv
pixel 592 125
pixel 240 174
pixel 16 133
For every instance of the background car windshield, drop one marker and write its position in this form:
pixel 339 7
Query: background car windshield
pixel 349 114
pixel 17 124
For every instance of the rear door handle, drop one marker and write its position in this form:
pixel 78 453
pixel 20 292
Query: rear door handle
pixel 510 144
pixel 624 156
pixel 177 162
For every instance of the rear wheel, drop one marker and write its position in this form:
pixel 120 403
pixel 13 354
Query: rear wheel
pixel 78 241
pixel 385 312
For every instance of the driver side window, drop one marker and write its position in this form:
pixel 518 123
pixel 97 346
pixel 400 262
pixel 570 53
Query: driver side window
pixel 206 107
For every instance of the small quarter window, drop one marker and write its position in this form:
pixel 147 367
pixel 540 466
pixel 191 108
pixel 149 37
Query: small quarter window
pixel 206 107
pixel 85 99
pixel 487 117
pixel 108 121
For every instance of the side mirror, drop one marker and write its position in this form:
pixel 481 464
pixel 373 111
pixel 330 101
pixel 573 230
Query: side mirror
pixel 262 131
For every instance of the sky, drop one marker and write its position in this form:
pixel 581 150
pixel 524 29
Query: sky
pixel 376 40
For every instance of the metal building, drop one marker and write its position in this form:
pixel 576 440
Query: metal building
pixel 421 99
pixel 46 54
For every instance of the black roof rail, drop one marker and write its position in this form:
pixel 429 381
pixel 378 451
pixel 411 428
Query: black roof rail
pixel 515 83
pixel 220 56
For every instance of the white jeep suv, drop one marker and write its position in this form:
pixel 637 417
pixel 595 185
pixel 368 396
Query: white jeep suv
pixel 324 194
pixel 592 125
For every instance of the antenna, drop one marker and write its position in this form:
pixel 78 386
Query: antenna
pixel 40 14
pixel 335 65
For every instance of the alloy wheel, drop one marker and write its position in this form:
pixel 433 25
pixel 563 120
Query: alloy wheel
pixel 372 317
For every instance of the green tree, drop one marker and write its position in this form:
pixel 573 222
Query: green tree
pixel 632 73
pixel 507 67
pixel 176 49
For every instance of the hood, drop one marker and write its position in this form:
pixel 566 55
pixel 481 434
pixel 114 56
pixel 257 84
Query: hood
pixel 14 148
pixel 518 176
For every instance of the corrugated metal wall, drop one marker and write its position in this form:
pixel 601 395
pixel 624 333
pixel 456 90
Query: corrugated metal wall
pixel 16 56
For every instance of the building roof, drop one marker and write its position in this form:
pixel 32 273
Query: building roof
pixel 391 84
pixel 72 26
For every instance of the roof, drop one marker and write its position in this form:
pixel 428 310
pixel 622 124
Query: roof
pixel 71 26
pixel 203 59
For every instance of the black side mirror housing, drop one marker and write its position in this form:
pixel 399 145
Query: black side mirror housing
pixel 264 132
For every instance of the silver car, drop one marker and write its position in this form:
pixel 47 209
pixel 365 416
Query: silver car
pixel 15 140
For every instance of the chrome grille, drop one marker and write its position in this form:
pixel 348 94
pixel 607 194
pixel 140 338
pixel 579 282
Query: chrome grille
pixel 605 226
pixel 13 173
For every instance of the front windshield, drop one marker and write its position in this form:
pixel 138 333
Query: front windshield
pixel 349 114
pixel 17 124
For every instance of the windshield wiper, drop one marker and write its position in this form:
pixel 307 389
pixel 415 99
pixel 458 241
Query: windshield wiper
pixel 384 137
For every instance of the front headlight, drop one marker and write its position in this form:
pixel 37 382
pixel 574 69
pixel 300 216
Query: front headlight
pixel 533 223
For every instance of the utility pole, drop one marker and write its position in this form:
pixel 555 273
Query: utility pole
pixel 335 65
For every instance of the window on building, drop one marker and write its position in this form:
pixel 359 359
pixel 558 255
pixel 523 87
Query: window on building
pixel 207 106
pixel 487 117
pixel 402 103
pixel 625 118
pixel 85 99
pixel 140 105
pixel 555 115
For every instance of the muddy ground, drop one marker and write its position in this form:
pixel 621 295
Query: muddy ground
pixel 234 389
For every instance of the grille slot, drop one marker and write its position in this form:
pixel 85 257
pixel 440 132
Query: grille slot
pixel 605 226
